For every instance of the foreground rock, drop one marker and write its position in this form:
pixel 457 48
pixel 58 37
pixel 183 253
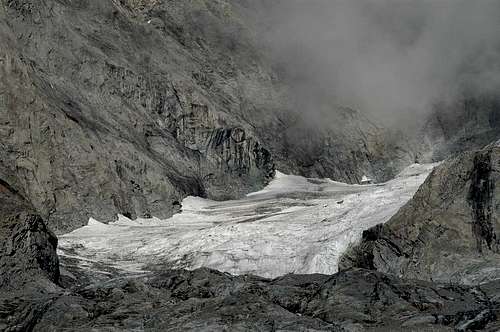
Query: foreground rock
pixel 27 246
pixel 449 231
pixel 29 266
pixel 206 300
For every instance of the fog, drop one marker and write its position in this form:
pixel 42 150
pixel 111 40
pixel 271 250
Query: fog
pixel 391 59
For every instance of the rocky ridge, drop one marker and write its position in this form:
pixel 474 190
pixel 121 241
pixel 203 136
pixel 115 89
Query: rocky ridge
pixel 448 232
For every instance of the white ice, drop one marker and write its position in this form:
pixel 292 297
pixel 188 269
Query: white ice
pixel 294 225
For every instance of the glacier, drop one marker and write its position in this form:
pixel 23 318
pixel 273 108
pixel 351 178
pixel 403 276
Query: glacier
pixel 294 225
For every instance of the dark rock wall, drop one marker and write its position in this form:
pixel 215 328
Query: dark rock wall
pixel 205 300
pixel 27 246
pixel 481 198
pixel 101 114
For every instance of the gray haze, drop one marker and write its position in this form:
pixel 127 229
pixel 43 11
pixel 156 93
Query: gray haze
pixel 393 59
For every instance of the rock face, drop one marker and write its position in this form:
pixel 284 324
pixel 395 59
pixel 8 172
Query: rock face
pixel 102 113
pixel 29 266
pixel 466 124
pixel 27 246
pixel 346 149
pixel 129 106
pixel 449 231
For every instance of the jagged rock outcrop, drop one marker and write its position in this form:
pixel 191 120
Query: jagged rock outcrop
pixel 27 246
pixel 29 266
pixel 449 231
pixel 348 147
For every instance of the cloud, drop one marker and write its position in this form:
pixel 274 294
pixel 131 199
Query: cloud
pixel 393 59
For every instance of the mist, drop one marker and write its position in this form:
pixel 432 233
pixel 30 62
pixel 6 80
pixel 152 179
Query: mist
pixel 393 60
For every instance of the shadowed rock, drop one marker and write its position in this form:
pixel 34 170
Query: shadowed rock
pixel 207 300
pixel 27 246
pixel 29 266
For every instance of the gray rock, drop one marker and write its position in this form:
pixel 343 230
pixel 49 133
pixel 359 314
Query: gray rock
pixel 469 123
pixel 449 231
pixel 29 266
pixel 102 113
pixel 27 246
pixel 206 300
pixel 127 107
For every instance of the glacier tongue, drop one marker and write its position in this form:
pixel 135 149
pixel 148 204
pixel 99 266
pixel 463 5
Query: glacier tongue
pixel 294 225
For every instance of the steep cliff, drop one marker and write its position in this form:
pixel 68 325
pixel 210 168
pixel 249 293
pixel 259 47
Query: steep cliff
pixel 29 266
pixel 128 106
pixel 103 113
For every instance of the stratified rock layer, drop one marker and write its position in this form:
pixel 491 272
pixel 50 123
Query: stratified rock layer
pixel 102 113
pixel 126 107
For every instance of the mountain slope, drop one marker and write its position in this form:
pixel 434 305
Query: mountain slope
pixel 102 114
pixel 129 106
pixel 449 231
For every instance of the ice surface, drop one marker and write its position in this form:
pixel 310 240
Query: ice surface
pixel 294 225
